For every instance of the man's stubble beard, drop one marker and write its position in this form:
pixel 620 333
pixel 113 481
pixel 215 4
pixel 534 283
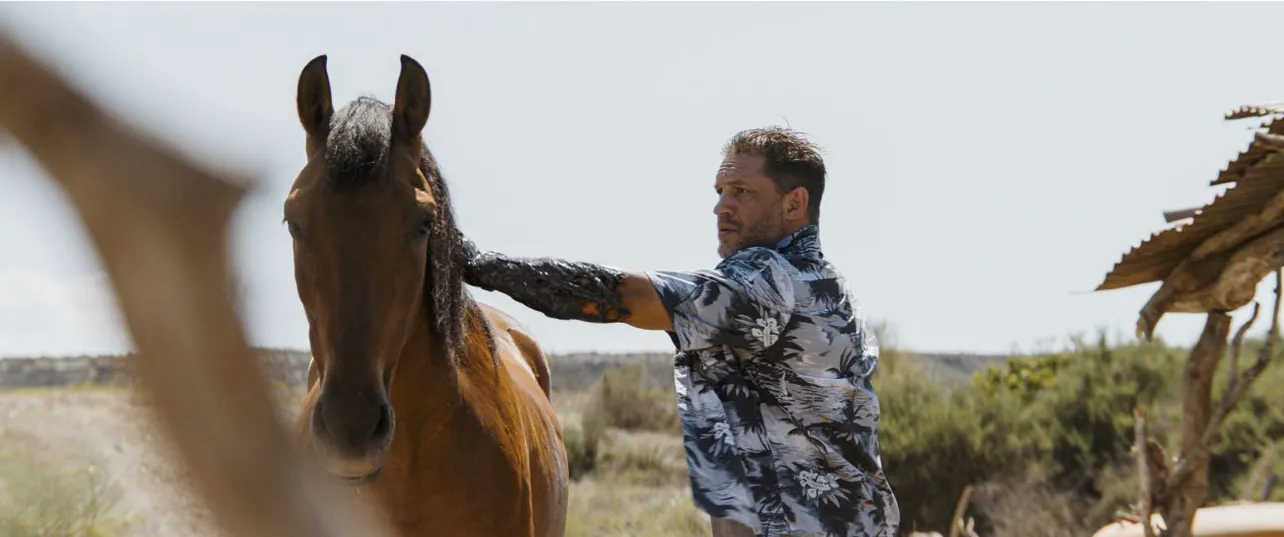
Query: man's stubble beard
pixel 765 232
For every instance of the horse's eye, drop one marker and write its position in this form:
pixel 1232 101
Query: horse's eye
pixel 295 230
pixel 425 227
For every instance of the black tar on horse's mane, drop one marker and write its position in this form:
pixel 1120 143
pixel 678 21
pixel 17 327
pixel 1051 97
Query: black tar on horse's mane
pixel 356 152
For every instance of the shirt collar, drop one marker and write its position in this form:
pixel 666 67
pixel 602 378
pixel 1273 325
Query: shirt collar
pixel 802 243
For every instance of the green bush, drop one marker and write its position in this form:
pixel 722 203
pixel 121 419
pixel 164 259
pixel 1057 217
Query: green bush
pixel 1044 439
pixel 1060 426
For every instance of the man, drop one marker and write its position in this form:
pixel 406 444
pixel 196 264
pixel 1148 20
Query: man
pixel 773 361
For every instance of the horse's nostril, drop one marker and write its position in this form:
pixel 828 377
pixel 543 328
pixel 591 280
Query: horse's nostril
pixel 318 419
pixel 351 424
pixel 385 423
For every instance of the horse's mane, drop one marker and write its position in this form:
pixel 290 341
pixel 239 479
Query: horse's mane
pixel 356 151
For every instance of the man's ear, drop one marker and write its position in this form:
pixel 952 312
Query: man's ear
pixel 796 201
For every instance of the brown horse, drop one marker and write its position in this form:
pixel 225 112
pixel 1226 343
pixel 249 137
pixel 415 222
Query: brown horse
pixel 436 405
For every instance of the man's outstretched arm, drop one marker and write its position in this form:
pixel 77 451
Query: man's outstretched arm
pixel 569 290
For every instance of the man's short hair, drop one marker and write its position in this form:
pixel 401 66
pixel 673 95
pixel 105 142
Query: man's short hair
pixel 790 161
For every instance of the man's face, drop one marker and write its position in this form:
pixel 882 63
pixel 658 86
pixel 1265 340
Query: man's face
pixel 750 211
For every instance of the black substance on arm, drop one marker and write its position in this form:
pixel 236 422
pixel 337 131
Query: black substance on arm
pixel 557 288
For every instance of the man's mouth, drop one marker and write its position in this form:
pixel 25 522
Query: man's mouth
pixel 725 230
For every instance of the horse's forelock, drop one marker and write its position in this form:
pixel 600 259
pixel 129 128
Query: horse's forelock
pixel 357 147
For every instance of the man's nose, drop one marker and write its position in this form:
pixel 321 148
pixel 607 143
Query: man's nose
pixel 722 208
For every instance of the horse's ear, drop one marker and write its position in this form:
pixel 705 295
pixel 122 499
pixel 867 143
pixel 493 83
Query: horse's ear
pixel 313 99
pixel 414 99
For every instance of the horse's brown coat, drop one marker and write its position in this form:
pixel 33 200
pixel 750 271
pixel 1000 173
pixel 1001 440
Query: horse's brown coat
pixel 476 448
pixel 468 459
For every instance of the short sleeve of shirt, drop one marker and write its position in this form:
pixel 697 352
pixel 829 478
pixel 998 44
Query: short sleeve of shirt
pixel 744 301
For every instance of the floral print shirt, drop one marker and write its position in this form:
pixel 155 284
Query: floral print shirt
pixel 772 371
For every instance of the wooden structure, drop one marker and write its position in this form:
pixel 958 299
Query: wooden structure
pixel 1264 519
pixel 1211 261
pixel 1215 256
pixel 159 224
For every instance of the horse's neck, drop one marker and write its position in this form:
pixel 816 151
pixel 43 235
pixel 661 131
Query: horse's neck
pixel 429 386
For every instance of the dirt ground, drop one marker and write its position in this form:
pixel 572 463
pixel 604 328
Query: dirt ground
pixel 108 428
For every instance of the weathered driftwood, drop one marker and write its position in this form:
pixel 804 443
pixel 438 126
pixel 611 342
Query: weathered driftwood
pixel 1213 265
pixel 1179 498
pixel 1237 343
pixel 1240 383
pixel 1236 520
pixel 1177 494
pixel 1146 477
pixel 1223 281
pixel 1261 479
pixel 957 524
pixel 159 224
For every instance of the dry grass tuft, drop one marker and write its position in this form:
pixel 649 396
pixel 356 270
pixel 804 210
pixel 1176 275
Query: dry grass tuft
pixel 583 444
pixel 39 499
pixel 624 399
pixel 606 508
pixel 1030 508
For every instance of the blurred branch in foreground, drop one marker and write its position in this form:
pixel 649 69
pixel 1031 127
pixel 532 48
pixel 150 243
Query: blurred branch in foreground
pixel 159 225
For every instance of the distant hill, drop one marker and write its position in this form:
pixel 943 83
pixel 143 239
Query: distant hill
pixel 952 369
pixel 287 366
pixel 579 371
pixel 571 371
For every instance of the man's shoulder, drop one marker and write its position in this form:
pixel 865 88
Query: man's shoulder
pixel 755 261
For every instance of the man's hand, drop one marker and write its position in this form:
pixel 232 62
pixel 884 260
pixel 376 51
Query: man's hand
pixel 468 254
pixel 567 290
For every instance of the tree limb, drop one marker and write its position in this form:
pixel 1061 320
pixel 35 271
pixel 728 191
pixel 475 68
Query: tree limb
pixel 956 523
pixel 159 225
pixel 1145 481
pixel 1236 343
pixel 1179 503
pixel 1239 386
pixel 1263 466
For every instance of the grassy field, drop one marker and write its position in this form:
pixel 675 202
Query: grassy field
pixel 79 459
pixel 82 461
pixel 1043 439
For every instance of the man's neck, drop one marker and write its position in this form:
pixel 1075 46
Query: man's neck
pixel 791 229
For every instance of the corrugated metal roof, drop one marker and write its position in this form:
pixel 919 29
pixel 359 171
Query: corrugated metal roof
pixel 1257 110
pixel 1249 157
pixel 1257 174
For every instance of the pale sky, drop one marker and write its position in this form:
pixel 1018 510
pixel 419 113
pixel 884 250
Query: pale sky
pixel 989 163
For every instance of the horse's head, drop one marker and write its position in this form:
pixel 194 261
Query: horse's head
pixel 363 213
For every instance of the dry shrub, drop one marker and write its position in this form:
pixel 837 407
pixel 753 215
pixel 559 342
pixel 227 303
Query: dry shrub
pixel 623 399
pixel 583 444
pixel 630 459
pixel 46 500
pixel 609 508
pixel 1028 507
